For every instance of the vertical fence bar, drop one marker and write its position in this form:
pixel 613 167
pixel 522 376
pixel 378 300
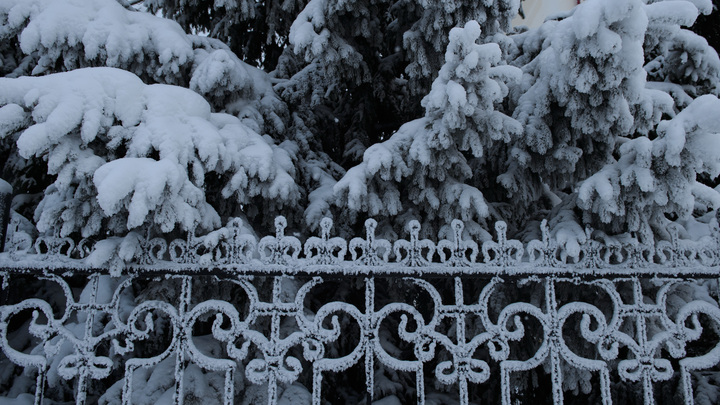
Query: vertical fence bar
pixel 229 394
pixel 553 337
pixel 180 329
pixel 127 385
pixel 274 342
pixel 605 387
pixel 460 335
pixel 368 329
pixel 82 383
pixel 686 380
pixel 420 383
pixel 317 385
pixel 505 384
pixel 40 386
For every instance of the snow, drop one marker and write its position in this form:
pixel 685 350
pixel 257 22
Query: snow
pixel 5 188
pixel 683 12
pixel 12 117
pixel 295 394
pixel 536 11
pixel 219 70
pixel 456 94
pixel 389 400
pixel 104 30
pixel 22 399
pixel 128 178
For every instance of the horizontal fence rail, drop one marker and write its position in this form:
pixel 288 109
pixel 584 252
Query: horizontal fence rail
pixel 615 320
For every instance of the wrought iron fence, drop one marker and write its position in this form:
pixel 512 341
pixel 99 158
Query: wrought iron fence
pixel 470 318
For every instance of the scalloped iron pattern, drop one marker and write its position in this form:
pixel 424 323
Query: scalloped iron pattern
pixel 229 249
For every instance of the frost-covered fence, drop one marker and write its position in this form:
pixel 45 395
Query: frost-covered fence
pixel 225 318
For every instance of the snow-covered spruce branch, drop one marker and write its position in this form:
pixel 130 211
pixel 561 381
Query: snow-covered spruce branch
pixel 125 156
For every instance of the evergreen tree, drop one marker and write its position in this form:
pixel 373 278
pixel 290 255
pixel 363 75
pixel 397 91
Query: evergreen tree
pixel 707 26
pixel 582 94
pixel 435 168
pixel 679 61
pixel 657 179
pixel 84 124
pixel 357 69
pixel 256 31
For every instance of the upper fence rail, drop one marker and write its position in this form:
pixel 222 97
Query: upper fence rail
pixel 228 249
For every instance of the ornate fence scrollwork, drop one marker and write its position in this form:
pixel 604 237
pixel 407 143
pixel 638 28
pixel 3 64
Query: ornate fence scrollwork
pixel 457 314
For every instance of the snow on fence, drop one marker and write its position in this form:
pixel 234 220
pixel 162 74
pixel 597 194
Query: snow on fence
pixel 455 313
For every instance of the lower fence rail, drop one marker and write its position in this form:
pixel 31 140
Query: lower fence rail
pixel 181 338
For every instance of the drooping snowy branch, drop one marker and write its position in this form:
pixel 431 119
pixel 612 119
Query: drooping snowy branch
pixel 585 91
pixel 128 155
pixel 658 177
pixel 53 36
pixel 679 61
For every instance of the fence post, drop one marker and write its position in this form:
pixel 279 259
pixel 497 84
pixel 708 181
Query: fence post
pixel 6 194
